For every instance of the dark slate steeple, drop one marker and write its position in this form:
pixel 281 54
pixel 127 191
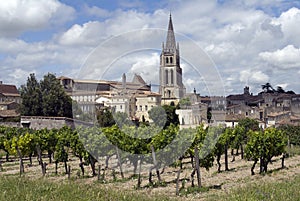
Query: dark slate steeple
pixel 170 43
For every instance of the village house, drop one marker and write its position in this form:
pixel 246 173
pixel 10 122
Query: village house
pixel 10 100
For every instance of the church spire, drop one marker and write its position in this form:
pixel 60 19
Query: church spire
pixel 170 43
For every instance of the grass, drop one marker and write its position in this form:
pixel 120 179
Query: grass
pixel 278 191
pixel 22 188
pixel 293 150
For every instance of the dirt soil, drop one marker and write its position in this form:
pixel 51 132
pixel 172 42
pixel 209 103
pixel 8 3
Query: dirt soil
pixel 218 183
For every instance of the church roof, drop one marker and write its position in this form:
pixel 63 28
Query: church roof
pixel 171 42
pixel 137 79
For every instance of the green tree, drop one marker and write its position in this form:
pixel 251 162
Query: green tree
pixel 263 146
pixel 121 119
pixel 201 151
pixel 184 102
pixel 158 115
pixel 105 117
pixel 172 117
pixel 20 145
pixel 45 98
pixel 55 101
pixel 31 97
pixel 222 145
pixel 240 133
pixel 62 146
pixel 293 133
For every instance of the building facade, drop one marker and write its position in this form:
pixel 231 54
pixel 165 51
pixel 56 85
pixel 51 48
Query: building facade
pixel 10 100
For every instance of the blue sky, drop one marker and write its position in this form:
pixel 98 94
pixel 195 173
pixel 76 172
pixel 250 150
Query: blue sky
pixel 244 42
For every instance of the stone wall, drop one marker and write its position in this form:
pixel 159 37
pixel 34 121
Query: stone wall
pixel 39 122
pixel 10 124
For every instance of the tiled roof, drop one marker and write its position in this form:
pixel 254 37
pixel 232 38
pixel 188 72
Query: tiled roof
pixel 8 89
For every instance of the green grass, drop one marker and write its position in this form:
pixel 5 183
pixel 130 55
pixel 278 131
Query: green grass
pixel 293 150
pixel 276 191
pixel 22 188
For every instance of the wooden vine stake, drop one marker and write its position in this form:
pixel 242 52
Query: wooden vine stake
pixel 155 163
pixel 197 166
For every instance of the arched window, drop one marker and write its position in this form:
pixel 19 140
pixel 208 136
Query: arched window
pixel 171 60
pixel 167 76
pixel 167 60
pixel 172 76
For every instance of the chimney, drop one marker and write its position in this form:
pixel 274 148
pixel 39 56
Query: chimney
pixel 124 81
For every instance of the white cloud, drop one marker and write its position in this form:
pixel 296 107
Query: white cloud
pixel 17 16
pixel 288 21
pixel 96 11
pixel 288 57
pixel 147 67
pixel 253 76
pixel 87 34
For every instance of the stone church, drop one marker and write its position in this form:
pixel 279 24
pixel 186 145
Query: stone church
pixel 170 73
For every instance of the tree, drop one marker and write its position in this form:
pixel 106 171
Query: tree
pixel 20 144
pixel 121 119
pixel 267 88
pixel 184 102
pixel 105 117
pixel 55 101
pixel 62 146
pixel 172 117
pixel 263 146
pixel 45 98
pixel 222 145
pixel 280 89
pixel 240 133
pixel 158 115
pixel 201 151
pixel 31 97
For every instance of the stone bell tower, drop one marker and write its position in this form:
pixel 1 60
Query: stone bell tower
pixel 170 72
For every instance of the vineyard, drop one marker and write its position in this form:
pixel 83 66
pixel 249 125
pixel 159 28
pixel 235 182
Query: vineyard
pixel 209 161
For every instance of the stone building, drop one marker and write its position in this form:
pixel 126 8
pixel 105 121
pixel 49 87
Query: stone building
pixel 10 100
pixel 88 92
pixel 144 103
pixel 170 73
pixel 9 93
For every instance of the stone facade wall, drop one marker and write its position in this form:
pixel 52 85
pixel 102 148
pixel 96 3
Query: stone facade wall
pixel 10 124
pixel 37 122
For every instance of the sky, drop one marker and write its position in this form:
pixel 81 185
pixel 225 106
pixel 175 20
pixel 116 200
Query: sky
pixel 227 43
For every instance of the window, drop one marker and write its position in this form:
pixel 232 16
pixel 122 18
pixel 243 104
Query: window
pixel 171 60
pixel 172 76
pixel 146 107
pixel 167 76
pixel 167 60
pixel 121 107
pixel 141 108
